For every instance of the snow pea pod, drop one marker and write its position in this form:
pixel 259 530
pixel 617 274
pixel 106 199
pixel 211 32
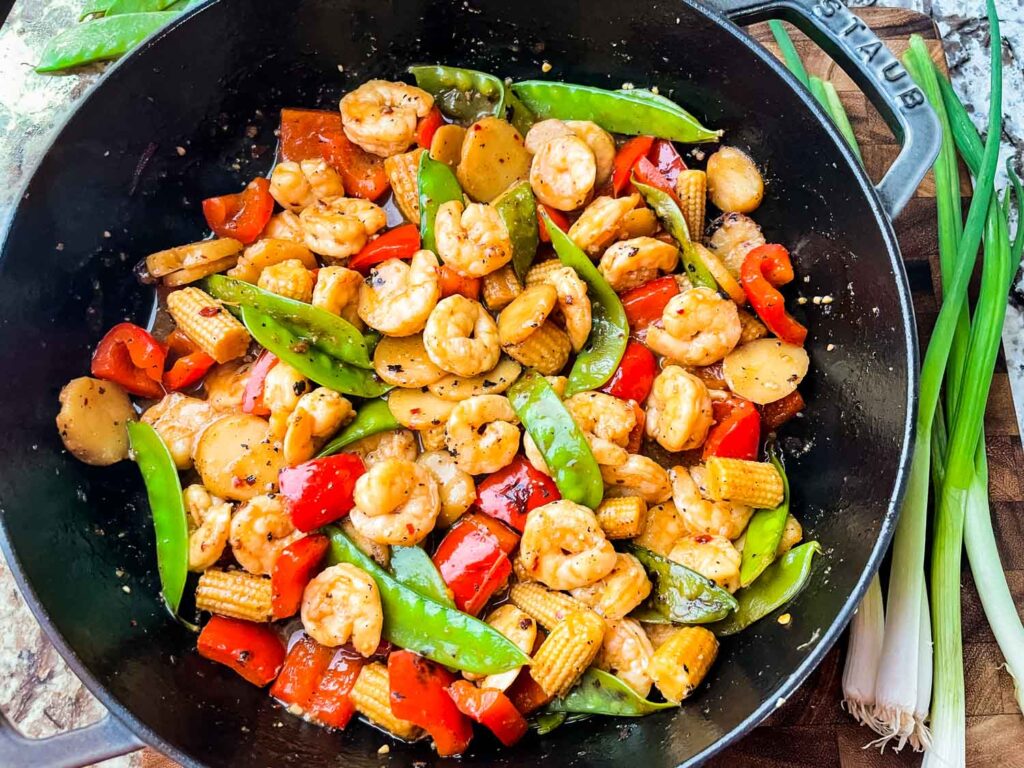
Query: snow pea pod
pixel 609 330
pixel 780 583
pixel 645 95
pixel 465 95
pixel 119 7
pixel 517 113
pixel 413 567
pixel 559 439
pixel 615 111
pixel 601 693
pixel 440 633
pixel 671 218
pixel 679 595
pixel 437 184
pixel 372 418
pixel 309 360
pixel 764 532
pixel 167 505
pixel 518 210
pixel 328 332
pixel 100 39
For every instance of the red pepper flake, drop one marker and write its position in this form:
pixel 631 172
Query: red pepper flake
pixel 209 311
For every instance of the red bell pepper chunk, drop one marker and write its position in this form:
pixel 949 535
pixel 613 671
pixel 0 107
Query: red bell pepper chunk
pixel 764 269
pixel 666 160
pixel 331 704
pixel 419 694
pixel 312 134
pixel 491 708
pixel 129 355
pixel 626 158
pixel 254 651
pixel 526 694
pixel 399 243
pixel 188 370
pixel 774 415
pixel 252 399
pixel 737 430
pixel 647 173
pixel 304 666
pixel 319 491
pixel 634 377
pixel 242 215
pixel 510 493
pixel 560 219
pixel 427 127
pixel 473 560
pixel 646 303
pixel 292 571
pixel 452 282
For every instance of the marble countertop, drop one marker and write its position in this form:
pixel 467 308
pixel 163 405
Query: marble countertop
pixel 37 691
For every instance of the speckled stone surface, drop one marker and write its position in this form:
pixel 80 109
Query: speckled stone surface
pixel 37 691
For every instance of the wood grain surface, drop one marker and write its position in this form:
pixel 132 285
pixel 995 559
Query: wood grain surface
pixel 812 729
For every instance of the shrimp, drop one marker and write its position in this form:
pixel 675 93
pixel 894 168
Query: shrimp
pixel 285 226
pixel 211 516
pixel 317 416
pixel 397 298
pixel 601 144
pixel 712 556
pixel 282 388
pixel 563 173
pixel 542 132
pixel 631 263
pixel 381 116
pixel 396 502
pixel 461 337
pixel 626 652
pixel 260 529
pixel 340 228
pixel 638 476
pixel 342 603
pixel 571 297
pixel 180 421
pixel 457 489
pixel 472 239
pixel 564 547
pixel 605 416
pixel 519 627
pixel 392 444
pixel 599 224
pixel 482 435
pixel 663 526
pixel 225 385
pixel 337 291
pixel 678 410
pixel 296 186
pixel 618 593
pixel 719 518
pixel 700 328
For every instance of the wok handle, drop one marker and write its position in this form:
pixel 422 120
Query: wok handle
pixel 880 75
pixel 102 740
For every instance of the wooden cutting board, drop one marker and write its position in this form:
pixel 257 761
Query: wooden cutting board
pixel 812 729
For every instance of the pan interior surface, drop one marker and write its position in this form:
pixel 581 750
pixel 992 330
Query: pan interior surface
pixel 115 186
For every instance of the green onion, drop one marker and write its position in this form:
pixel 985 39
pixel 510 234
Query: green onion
pixel 789 54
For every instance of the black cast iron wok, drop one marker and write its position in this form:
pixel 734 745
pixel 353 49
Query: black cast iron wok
pixel 113 187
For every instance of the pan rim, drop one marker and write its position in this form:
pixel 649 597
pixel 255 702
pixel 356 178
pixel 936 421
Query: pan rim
pixel 828 638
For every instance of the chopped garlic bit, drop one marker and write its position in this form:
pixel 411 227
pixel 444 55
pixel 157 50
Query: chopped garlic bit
pixel 545 67
pixel 384 749
pixel 830 348
pixel 784 619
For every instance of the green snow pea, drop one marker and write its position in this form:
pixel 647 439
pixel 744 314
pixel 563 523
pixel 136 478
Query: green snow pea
pixel 517 113
pixel 437 184
pixel 780 583
pixel 372 418
pixel 601 693
pixel 329 333
pixel 559 439
pixel 764 532
pixel 415 622
pixel 167 505
pixel 120 7
pixel 413 567
pixel 615 111
pixel 518 210
pixel 545 722
pixel 309 360
pixel 672 219
pixel 609 330
pixel 679 595
pixel 648 96
pixel 100 39
pixel 465 95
